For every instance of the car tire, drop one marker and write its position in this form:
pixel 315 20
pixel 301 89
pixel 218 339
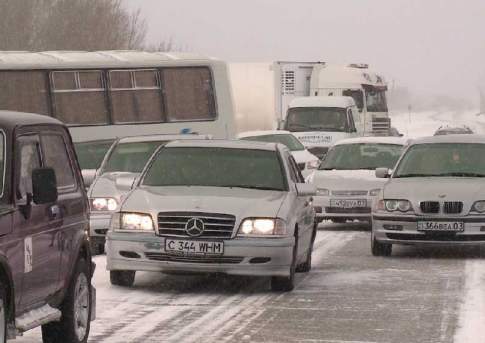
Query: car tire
pixel 123 278
pixel 306 266
pixel 3 314
pixel 380 249
pixel 75 322
pixel 287 283
pixel 96 248
pixel 339 220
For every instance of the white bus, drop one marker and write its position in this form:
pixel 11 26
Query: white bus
pixel 108 94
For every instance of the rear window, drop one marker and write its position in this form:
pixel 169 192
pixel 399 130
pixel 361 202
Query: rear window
pixel 216 167
pixel 290 141
pixel 91 154
pixel 130 157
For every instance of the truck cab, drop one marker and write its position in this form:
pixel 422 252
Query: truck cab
pixel 320 121
pixel 45 261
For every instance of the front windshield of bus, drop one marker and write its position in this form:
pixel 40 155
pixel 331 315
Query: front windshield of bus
pixel 376 101
pixel 442 160
pixel 362 156
pixel 317 119
pixel 216 167
pixel 91 154
pixel 130 157
pixel 290 141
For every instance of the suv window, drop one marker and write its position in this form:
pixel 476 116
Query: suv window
pixel 29 157
pixel 57 157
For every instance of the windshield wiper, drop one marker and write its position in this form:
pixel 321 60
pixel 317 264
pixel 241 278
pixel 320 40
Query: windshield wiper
pixel 416 175
pixel 264 188
pixel 462 174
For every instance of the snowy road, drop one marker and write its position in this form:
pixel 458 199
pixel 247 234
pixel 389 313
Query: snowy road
pixel 415 296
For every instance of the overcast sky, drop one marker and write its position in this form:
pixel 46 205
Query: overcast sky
pixel 433 46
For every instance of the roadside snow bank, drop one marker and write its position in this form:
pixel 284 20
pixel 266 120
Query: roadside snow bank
pixel 472 313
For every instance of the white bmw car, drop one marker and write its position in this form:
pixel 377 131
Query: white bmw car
pixel 307 162
pixel 231 207
pixel 346 182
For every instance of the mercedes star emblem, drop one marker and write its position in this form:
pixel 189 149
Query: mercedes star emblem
pixel 194 227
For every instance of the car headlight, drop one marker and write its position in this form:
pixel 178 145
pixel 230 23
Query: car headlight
pixel 103 204
pixel 374 192
pixel 132 222
pixel 323 192
pixel 398 205
pixel 313 164
pixel 262 227
pixel 479 206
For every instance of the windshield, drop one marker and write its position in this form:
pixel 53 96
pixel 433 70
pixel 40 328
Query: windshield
pixel 376 101
pixel 289 140
pixel 130 157
pixel 317 119
pixel 216 167
pixel 357 95
pixel 91 154
pixel 362 156
pixel 444 159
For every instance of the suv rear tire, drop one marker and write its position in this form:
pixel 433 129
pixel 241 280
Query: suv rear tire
pixel 75 322
pixel 124 278
pixel 3 314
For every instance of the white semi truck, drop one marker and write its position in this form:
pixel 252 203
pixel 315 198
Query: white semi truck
pixel 265 93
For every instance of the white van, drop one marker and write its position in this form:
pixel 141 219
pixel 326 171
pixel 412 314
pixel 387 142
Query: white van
pixel 321 121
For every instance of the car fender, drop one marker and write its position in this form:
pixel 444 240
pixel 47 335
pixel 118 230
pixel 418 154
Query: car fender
pixel 6 276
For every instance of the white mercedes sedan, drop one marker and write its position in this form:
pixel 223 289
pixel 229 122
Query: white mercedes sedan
pixel 435 195
pixel 231 207
pixel 346 180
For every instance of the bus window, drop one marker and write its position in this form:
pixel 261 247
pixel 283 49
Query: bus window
pixel 79 97
pixel 24 91
pixel 188 94
pixel 136 96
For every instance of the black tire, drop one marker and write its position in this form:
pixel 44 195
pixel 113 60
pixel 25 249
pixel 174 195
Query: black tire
pixel 339 220
pixel 68 330
pixel 96 248
pixel 3 314
pixel 124 278
pixel 380 249
pixel 306 266
pixel 286 283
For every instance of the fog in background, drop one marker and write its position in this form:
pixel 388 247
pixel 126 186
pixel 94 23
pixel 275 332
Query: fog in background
pixel 423 47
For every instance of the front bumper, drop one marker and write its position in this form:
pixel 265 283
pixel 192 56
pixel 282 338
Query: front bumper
pixel 403 229
pixel 324 210
pixel 98 226
pixel 254 257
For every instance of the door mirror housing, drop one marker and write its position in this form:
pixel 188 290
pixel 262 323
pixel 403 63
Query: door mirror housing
pixel 306 189
pixel 44 186
pixel 125 182
pixel 89 175
pixel 383 173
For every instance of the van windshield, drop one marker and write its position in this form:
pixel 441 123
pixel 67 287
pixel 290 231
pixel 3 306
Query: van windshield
pixel 302 119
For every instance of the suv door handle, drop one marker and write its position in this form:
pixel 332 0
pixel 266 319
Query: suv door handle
pixel 54 212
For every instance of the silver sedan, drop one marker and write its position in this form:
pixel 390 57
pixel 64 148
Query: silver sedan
pixel 232 207
pixel 435 196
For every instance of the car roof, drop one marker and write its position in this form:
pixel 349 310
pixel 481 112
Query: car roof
pixel 262 133
pixel 374 140
pixel 323 101
pixel 229 144
pixel 161 137
pixel 11 119
pixel 471 138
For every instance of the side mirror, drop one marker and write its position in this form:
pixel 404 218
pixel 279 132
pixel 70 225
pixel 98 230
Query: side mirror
pixel 44 185
pixel 383 173
pixel 306 189
pixel 125 182
pixel 88 176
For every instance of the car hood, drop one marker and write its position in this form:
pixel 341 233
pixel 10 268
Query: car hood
pixel 346 179
pixel 439 189
pixel 303 156
pixel 105 186
pixel 239 202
